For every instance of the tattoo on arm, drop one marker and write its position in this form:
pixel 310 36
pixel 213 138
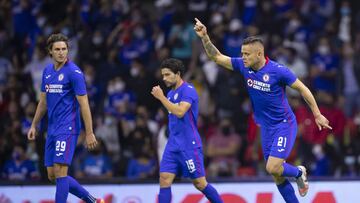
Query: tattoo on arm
pixel 211 50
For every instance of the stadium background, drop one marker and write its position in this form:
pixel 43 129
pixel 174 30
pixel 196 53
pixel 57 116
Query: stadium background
pixel 119 45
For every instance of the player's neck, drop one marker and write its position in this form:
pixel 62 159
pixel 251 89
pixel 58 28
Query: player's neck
pixel 58 65
pixel 259 65
pixel 178 84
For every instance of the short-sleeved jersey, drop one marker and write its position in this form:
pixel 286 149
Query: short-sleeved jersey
pixel 266 89
pixel 183 133
pixel 61 88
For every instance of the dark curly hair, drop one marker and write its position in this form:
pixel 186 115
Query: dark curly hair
pixel 174 65
pixel 59 37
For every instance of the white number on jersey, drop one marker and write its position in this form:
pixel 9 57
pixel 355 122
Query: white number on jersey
pixel 191 166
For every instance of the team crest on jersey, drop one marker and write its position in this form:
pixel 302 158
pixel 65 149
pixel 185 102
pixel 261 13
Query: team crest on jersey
pixel 176 96
pixel 61 77
pixel 250 82
pixel 266 77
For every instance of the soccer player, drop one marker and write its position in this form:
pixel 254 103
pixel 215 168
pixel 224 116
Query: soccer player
pixel 63 96
pixel 183 152
pixel 266 82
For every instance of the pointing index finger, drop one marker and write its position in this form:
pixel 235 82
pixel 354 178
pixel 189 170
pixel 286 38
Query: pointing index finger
pixel 328 126
pixel 197 20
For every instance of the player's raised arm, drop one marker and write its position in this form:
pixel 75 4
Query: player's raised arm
pixel 320 120
pixel 40 112
pixel 213 53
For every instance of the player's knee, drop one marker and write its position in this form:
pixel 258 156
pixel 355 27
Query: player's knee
pixel 60 170
pixel 200 185
pixel 165 181
pixel 273 170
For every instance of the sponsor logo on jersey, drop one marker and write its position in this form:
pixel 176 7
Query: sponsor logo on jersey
pixel 59 154
pixel 265 87
pixel 54 88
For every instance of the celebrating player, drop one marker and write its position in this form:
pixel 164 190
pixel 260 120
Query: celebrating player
pixel 63 96
pixel 183 152
pixel 266 82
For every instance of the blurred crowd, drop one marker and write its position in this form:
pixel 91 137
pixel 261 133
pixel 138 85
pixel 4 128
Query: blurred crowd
pixel 119 45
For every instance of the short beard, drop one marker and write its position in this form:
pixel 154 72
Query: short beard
pixel 172 86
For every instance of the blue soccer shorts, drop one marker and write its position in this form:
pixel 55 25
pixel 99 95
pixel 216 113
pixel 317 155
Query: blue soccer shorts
pixel 279 140
pixel 59 149
pixel 187 163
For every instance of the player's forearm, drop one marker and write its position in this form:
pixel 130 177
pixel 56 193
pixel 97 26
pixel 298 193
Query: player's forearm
pixel 40 112
pixel 210 48
pixel 310 100
pixel 171 107
pixel 86 115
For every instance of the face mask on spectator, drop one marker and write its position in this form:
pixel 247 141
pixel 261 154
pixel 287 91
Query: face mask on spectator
pixel 134 72
pixel 294 24
pixel 139 33
pixel 119 86
pixel 349 160
pixel 108 120
pixel 345 10
pixel 41 21
pixel 89 79
pixel 97 40
pixel 110 89
pixel 48 30
pixel 65 31
pixel 323 49
pixel 216 19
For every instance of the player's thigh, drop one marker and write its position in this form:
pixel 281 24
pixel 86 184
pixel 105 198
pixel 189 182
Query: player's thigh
pixel 49 151
pixel 169 163
pixel 283 140
pixel 192 163
pixel 64 148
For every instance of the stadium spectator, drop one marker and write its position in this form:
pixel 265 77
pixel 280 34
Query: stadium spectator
pixel 19 167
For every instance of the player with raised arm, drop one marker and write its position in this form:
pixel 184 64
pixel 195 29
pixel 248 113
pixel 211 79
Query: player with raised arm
pixel 63 96
pixel 183 152
pixel 266 82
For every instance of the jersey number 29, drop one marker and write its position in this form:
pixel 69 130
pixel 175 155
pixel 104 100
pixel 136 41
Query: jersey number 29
pixel 60 146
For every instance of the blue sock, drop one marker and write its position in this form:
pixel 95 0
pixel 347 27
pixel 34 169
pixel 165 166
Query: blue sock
pixel 211 194
pixel 287 192
pixel 62 189
pixel 290 170
pixel 165 195
pixel 76 189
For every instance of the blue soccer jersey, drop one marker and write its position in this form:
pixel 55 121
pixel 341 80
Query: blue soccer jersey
pixel 183 131
pixel 266 89
pixel 61 87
